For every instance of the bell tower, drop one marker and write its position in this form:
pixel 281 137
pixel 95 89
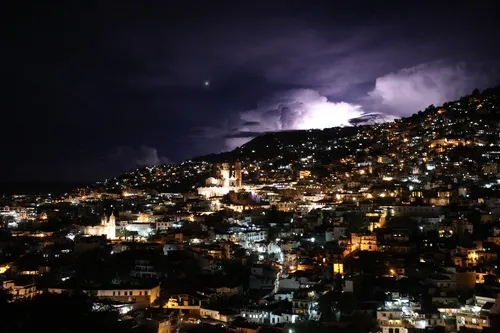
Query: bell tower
pixel 237 173
pixel 226 173
pixel 112 220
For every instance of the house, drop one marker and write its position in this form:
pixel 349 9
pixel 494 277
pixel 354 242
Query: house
pixel 395 316
pixel 225 316
pixel 263 277
pixel 139 293
pixel 144 269
pixel 19 290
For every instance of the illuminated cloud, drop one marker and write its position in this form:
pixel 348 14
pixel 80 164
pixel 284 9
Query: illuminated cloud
pixel 412 89
pixel 292 110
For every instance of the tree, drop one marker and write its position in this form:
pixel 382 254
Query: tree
pixel 126 234
pixel 325 306
pixel 357 222
pixel 310 326
pixel 272 215
pixel 5 297
pixel 272 233
pixel 362 323
pixel 347 303
pixel 403 222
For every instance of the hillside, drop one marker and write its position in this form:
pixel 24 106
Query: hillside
pixel 465 131
pixel 457 118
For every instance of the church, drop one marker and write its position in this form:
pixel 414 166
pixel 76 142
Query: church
pixel 106 228
pixel 227 179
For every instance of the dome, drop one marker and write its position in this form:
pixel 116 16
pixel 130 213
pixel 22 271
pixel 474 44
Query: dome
pixel 211 181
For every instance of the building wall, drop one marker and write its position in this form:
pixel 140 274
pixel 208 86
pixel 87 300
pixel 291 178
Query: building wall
pixel 19 292
pixel 415 210
pixel 143 295
pixel 214 314
pixel 387 329
pixel 474 321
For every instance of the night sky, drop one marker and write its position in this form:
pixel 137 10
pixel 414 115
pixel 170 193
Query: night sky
pixel 91 91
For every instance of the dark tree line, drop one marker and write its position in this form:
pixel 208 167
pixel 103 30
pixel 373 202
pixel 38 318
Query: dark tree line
pixel 57 313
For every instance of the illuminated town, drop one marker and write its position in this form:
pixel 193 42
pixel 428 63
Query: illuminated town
pixel 391 228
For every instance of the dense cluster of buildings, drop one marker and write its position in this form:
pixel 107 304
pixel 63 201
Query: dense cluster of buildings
pixel 391 228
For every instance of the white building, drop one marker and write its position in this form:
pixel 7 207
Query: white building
pixel 106 228
pixel 399 316
pixel 472 317
pixel 306 308
pixel 145 270
pixel 268 317
pixel 392 321
pixel 246 237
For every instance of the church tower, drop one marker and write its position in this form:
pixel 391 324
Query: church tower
pixel 111 227
pixel 225 174
pixel 112 220
pixel 107 227
pixel 237 173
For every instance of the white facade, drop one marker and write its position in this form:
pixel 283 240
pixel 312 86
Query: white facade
pixel 253 236
pixel 245 238
pixel 399 316
pixel 391 321
pixel 471 317
pixel 216 191
pixel 142 229
pixel 268 317
pixel 144 269
pixel 106 228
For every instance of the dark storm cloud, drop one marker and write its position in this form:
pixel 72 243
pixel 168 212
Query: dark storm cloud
pixel 140 156
pixel 118 160
pixel 251 123
pixel 242 134
pixel 329 58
